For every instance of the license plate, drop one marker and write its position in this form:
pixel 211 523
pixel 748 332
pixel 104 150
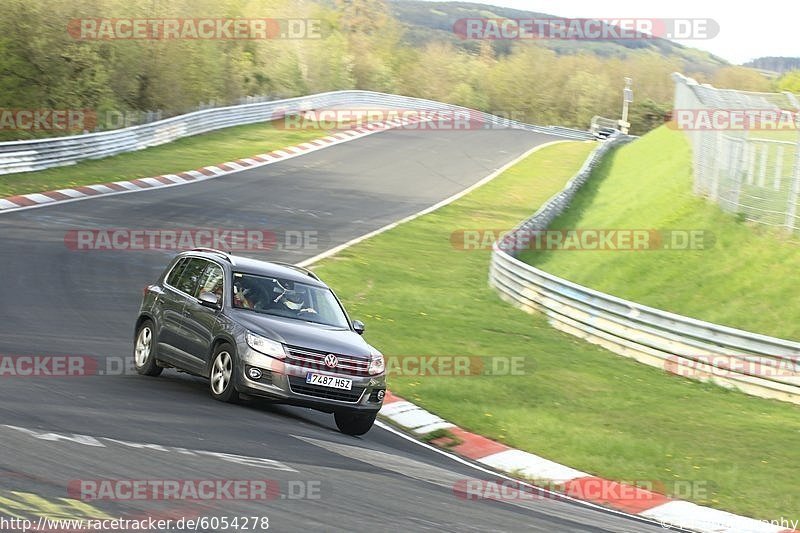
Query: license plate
pixel 331 382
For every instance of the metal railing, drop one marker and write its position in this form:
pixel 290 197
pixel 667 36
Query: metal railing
pixel 755 364
pixel 31 155
pixel 745 148
pixel 598 124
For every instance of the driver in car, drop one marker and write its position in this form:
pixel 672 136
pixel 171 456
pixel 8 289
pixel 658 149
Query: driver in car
pixel 291 299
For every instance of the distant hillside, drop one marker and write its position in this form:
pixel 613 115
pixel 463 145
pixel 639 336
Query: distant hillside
pixel 775 64
pixel 433 21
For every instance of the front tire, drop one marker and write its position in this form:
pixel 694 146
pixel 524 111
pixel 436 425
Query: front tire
pixel 223 373
pixel 144 350
pixel 353 422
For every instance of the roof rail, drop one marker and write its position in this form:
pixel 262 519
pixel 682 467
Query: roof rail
pixel 298 268
pixel 225 255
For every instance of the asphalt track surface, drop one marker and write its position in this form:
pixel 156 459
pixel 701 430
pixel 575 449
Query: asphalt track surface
pixel 57 301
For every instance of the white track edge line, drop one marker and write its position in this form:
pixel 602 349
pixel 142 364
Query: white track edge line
pixel 434 207
pixel 559 495
pixel 178 184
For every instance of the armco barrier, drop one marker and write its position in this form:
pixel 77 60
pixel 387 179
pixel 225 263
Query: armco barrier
pixel 756 364
pixel 25 156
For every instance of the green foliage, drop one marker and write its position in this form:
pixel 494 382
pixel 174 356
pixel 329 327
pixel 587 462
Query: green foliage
pixel 364 44
pixel 648 115
pixel 790 82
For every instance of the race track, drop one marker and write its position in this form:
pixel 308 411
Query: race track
pixel 57 301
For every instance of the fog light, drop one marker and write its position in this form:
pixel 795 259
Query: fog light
pixel 254 373
pixel 380 395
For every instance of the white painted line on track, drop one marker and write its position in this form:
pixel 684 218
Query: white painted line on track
pixel 290 152
pixel 103 442
pixel 553 495
pixel 446 201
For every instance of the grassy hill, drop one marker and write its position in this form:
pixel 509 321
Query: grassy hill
pixel 433 21
pixel 745 280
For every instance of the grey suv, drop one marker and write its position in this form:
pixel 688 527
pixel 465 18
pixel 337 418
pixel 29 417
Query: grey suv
pixel 257 328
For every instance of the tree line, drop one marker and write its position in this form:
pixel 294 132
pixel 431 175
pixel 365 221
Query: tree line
pixel 358 44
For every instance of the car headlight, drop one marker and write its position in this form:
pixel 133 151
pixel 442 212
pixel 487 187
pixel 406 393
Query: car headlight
pixel 266 346
pixel 376 365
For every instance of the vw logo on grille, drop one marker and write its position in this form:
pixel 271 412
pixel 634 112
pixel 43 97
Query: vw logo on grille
pixel 331 360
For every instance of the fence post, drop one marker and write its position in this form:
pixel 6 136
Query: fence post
pixel 776 184
pixel 762 171
pixel 791 208
pixel 737 154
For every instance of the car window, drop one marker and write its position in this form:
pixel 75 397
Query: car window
pixel 287 298
pixel 176 272
pixel 212 281
pixel 191 276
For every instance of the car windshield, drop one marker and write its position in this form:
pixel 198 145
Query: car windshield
pixel 287 298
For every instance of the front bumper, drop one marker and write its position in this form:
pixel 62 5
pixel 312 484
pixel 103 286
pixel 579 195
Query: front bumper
pixel 286 383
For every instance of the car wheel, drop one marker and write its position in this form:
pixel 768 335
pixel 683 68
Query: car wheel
pixel 353 422
pixel 144 350
pixel 223 372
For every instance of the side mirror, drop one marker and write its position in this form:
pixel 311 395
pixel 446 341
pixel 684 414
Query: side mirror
pixel 209 299
pixel 359 327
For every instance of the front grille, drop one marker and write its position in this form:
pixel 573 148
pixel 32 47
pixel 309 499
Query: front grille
pixel 315 359
pixel 300 386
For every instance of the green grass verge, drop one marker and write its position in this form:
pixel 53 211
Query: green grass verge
pixel 576 403
pixel 745 280
pixel 185 154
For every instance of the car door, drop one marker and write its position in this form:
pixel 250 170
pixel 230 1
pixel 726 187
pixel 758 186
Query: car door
pixel 178 290
pixel 169 311
pixel 200 323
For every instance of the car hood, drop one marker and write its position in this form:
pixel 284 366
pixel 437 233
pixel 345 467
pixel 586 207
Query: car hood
pixel 304 334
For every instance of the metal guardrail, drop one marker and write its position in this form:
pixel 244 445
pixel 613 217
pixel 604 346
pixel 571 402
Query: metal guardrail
pixel 756 364
pixel 31 155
